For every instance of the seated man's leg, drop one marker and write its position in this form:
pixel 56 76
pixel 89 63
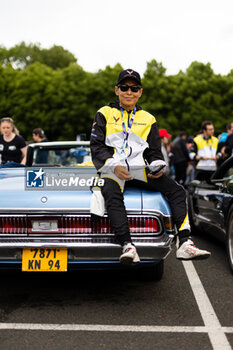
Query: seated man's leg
pixel 176 196
pixel 115 206
pixel 174 193
pixel 114 202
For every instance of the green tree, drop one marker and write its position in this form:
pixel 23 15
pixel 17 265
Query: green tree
pixel 53 92
pixel 201 93
pixel 23 55
pixel 68 115
pixel 155 83
pixel 8 81
pixel 78 95
pixel 31 100
pixel 101 86
pixel 183 101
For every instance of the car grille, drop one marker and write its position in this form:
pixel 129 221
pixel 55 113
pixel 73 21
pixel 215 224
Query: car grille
pixel 145 225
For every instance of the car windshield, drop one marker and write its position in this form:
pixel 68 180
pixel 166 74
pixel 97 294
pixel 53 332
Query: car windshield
pixel 228 173
pixel 61 156
pixel 225 170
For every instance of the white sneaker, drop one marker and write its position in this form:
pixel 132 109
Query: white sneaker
pixel 188 251
pixel 129 255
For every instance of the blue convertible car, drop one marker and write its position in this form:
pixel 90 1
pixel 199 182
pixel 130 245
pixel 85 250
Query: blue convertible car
pixel 45 222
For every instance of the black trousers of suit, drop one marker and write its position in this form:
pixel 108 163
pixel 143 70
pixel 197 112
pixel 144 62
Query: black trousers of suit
pixel 114 202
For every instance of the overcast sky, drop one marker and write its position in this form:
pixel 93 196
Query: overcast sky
pixel 131 32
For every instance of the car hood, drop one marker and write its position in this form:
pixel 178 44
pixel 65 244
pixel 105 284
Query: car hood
pixel 15 197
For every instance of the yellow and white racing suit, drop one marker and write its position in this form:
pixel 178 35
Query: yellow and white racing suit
pixel 143 148
pixel 205 148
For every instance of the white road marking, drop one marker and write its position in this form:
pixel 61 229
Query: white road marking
pixel 215 331
pixel 112 328
pixel 212 326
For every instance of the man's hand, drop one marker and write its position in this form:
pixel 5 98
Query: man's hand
pixel 121 172
pixel 156 176
pixel 206 158
pixel 156 171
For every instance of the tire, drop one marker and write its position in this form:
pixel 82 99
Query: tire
pixel 229 238
pixel 152 273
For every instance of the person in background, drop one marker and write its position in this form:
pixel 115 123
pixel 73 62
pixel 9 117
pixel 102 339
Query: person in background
pixel 226 152
pixel 180 157
pixel 229 142
pixel 190 172
pixel 204 152
pixel 223 138
pixel 13 147
pixel 123 136
pixel 225 144
pixel 165 148
pixel 38 135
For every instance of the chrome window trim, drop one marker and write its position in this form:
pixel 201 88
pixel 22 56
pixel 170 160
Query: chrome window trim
pixel 56 211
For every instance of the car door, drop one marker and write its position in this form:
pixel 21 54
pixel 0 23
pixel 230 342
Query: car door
pixel 212 197
pixel 209 203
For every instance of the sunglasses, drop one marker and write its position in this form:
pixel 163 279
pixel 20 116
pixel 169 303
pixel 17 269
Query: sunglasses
pixel 134 88
pixel 6 120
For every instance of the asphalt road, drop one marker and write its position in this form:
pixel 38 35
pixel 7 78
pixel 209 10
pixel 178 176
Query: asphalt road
pixel 190 308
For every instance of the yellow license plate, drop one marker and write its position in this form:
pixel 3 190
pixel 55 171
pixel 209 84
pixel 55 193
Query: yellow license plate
pixel 44 259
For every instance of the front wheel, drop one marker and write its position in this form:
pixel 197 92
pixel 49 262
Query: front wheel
pixel 229 242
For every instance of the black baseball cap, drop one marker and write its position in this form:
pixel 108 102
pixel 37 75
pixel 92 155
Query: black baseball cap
pixel 129 73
